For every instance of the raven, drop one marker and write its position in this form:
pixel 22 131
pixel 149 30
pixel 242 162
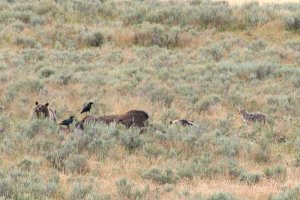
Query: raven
pixel 87 107
pixel 67 122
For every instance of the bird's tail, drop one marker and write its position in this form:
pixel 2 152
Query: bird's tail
pixel 81 112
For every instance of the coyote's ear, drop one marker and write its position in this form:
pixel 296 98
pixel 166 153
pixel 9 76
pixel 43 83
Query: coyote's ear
pixel 36 103
pixel 47 104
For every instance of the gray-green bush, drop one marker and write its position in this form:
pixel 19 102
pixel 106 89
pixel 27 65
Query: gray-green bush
pixel 161 176
pixel 128 190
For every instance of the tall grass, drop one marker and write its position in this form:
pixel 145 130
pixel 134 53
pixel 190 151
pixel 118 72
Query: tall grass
pixel 197 60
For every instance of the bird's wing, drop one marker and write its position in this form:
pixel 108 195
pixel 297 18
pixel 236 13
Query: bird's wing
pixel 63 122
pixel 85 109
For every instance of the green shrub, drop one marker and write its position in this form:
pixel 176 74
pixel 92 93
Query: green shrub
pixel 259 71
pixel 93 39
pixel 297 160
pixel 6 189
pixel 222 196
pixel 24 16
pixel 293 45
pixel 254 15
pixel 262 153
pixel 186 172
pixel 4 122
pixel 281 103
pixel 19 185
pixel 242 175
pixel 131 141
pixel 205 15
pixel 216 52
pixel 36 20
pixel 276 172
pixel 18 25
pixel 27 165
pixel 128 190
pixel 33 85
pixel 235 172
pixel 287 195
pixel 57 157
pixel 3 67
pixel 258 45
pixel 229 146
pixel 205 103
pixel 152 151
pixel 161 176
pixel 168 187
pixel 191 139
pixel 38 126
pixel 134 14
pixel 76 164
pixel 296 82
pixel 52 189
pixel 47 8
pixel 155 34
pixel 65 79
pixel 99 147
pixel 42 145
pixel 197 196
pixel 46 72
pixel 202 167
pixel 25 41
pixel 297 152
pixel 58 45
pixel 225 129
pixel 82 191
pixel 249 178
pixel 293 22
pixel 87 8
pixel 214 15
pixel 116 57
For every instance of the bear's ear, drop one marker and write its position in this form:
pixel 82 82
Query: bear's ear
pixel 47 104
pixel 36 103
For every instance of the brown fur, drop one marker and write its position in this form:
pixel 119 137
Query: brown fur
pixel 90 119
pixel 43 111
pixel 253 117
pixel 131 118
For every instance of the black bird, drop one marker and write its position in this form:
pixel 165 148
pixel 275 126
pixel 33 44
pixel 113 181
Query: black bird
pixel 87 108
pixel 67 122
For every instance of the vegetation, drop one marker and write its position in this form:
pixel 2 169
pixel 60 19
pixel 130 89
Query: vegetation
pixel 196 59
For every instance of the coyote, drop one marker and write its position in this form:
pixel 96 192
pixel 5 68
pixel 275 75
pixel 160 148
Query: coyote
pixel 253 117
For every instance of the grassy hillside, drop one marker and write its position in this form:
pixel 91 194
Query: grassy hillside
pixel 262 1
pixel 199 60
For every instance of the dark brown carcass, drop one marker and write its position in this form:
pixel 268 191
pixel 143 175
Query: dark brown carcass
pixel 131 118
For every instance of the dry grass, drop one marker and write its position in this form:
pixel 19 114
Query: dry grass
pixel 240 2
pixel 129 76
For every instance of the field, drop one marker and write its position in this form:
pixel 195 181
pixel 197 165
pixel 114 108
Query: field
pixel 240 2
pixel 199 60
